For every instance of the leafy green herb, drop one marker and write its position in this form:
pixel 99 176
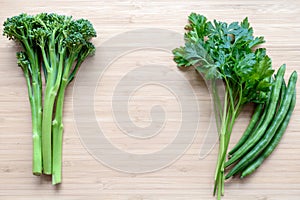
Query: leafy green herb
pixel 227 52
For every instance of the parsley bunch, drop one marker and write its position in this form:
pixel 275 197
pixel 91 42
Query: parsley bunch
pixel 227 52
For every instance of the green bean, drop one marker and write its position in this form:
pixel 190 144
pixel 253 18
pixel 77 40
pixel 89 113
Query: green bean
pixel 274 142
pixel 254 124
pixel 250 127
pixel 258 133
pixel 266 107
pixel 283 91
pixel 276 122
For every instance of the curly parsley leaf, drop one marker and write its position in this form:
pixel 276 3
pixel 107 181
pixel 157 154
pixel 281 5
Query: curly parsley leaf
pixel 226 51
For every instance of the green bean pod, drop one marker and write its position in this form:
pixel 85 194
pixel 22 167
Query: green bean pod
pixel 274 142
pixel 276 122
pixel 255 118
pixel 261 120
pixel 283 92
pixel 258 133
pixel 254 124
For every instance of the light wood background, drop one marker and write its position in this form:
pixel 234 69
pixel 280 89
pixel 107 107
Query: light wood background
pixel 188 177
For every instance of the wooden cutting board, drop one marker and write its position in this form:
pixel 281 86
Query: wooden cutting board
pixel 189 177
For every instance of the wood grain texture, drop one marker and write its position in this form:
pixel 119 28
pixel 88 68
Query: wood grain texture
pixel 188 177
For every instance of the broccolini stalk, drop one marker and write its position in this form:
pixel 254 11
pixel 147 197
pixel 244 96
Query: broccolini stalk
pixel 57 44
pixel 34 93
pixel 76 58
pixel 67 41
pixel 50 37
pixel 19 28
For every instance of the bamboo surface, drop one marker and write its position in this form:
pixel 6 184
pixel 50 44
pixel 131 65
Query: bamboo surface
pixel 189 177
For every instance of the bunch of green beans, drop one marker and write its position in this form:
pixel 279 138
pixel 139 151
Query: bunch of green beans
pixel 266 127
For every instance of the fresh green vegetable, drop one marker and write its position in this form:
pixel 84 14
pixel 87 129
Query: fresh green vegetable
pixel 276 122
pixel 274 142
pixel 67 77
pixel 262 118
pixel 225 51
pixel 32 74
pixel 282 92
pixel 255 118
pixel 58 45
pixel 255 123
pixel 258 134
pixel 17 28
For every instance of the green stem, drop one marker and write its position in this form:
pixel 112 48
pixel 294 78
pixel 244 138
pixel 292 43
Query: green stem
pixel 221 133
pixel 222 179
pixel 230 112
pixel 37 120
pixel 220 185
pixel 217 105
pixel 30 52
pixel 72 74
pixel 218 173
pixel 52 86
pixel 58 136
pixel 36 137
pixel 235 113
pixel 45 59
pixel 35 98
pixel 58 124
pixel 36 131
pixel 46 128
